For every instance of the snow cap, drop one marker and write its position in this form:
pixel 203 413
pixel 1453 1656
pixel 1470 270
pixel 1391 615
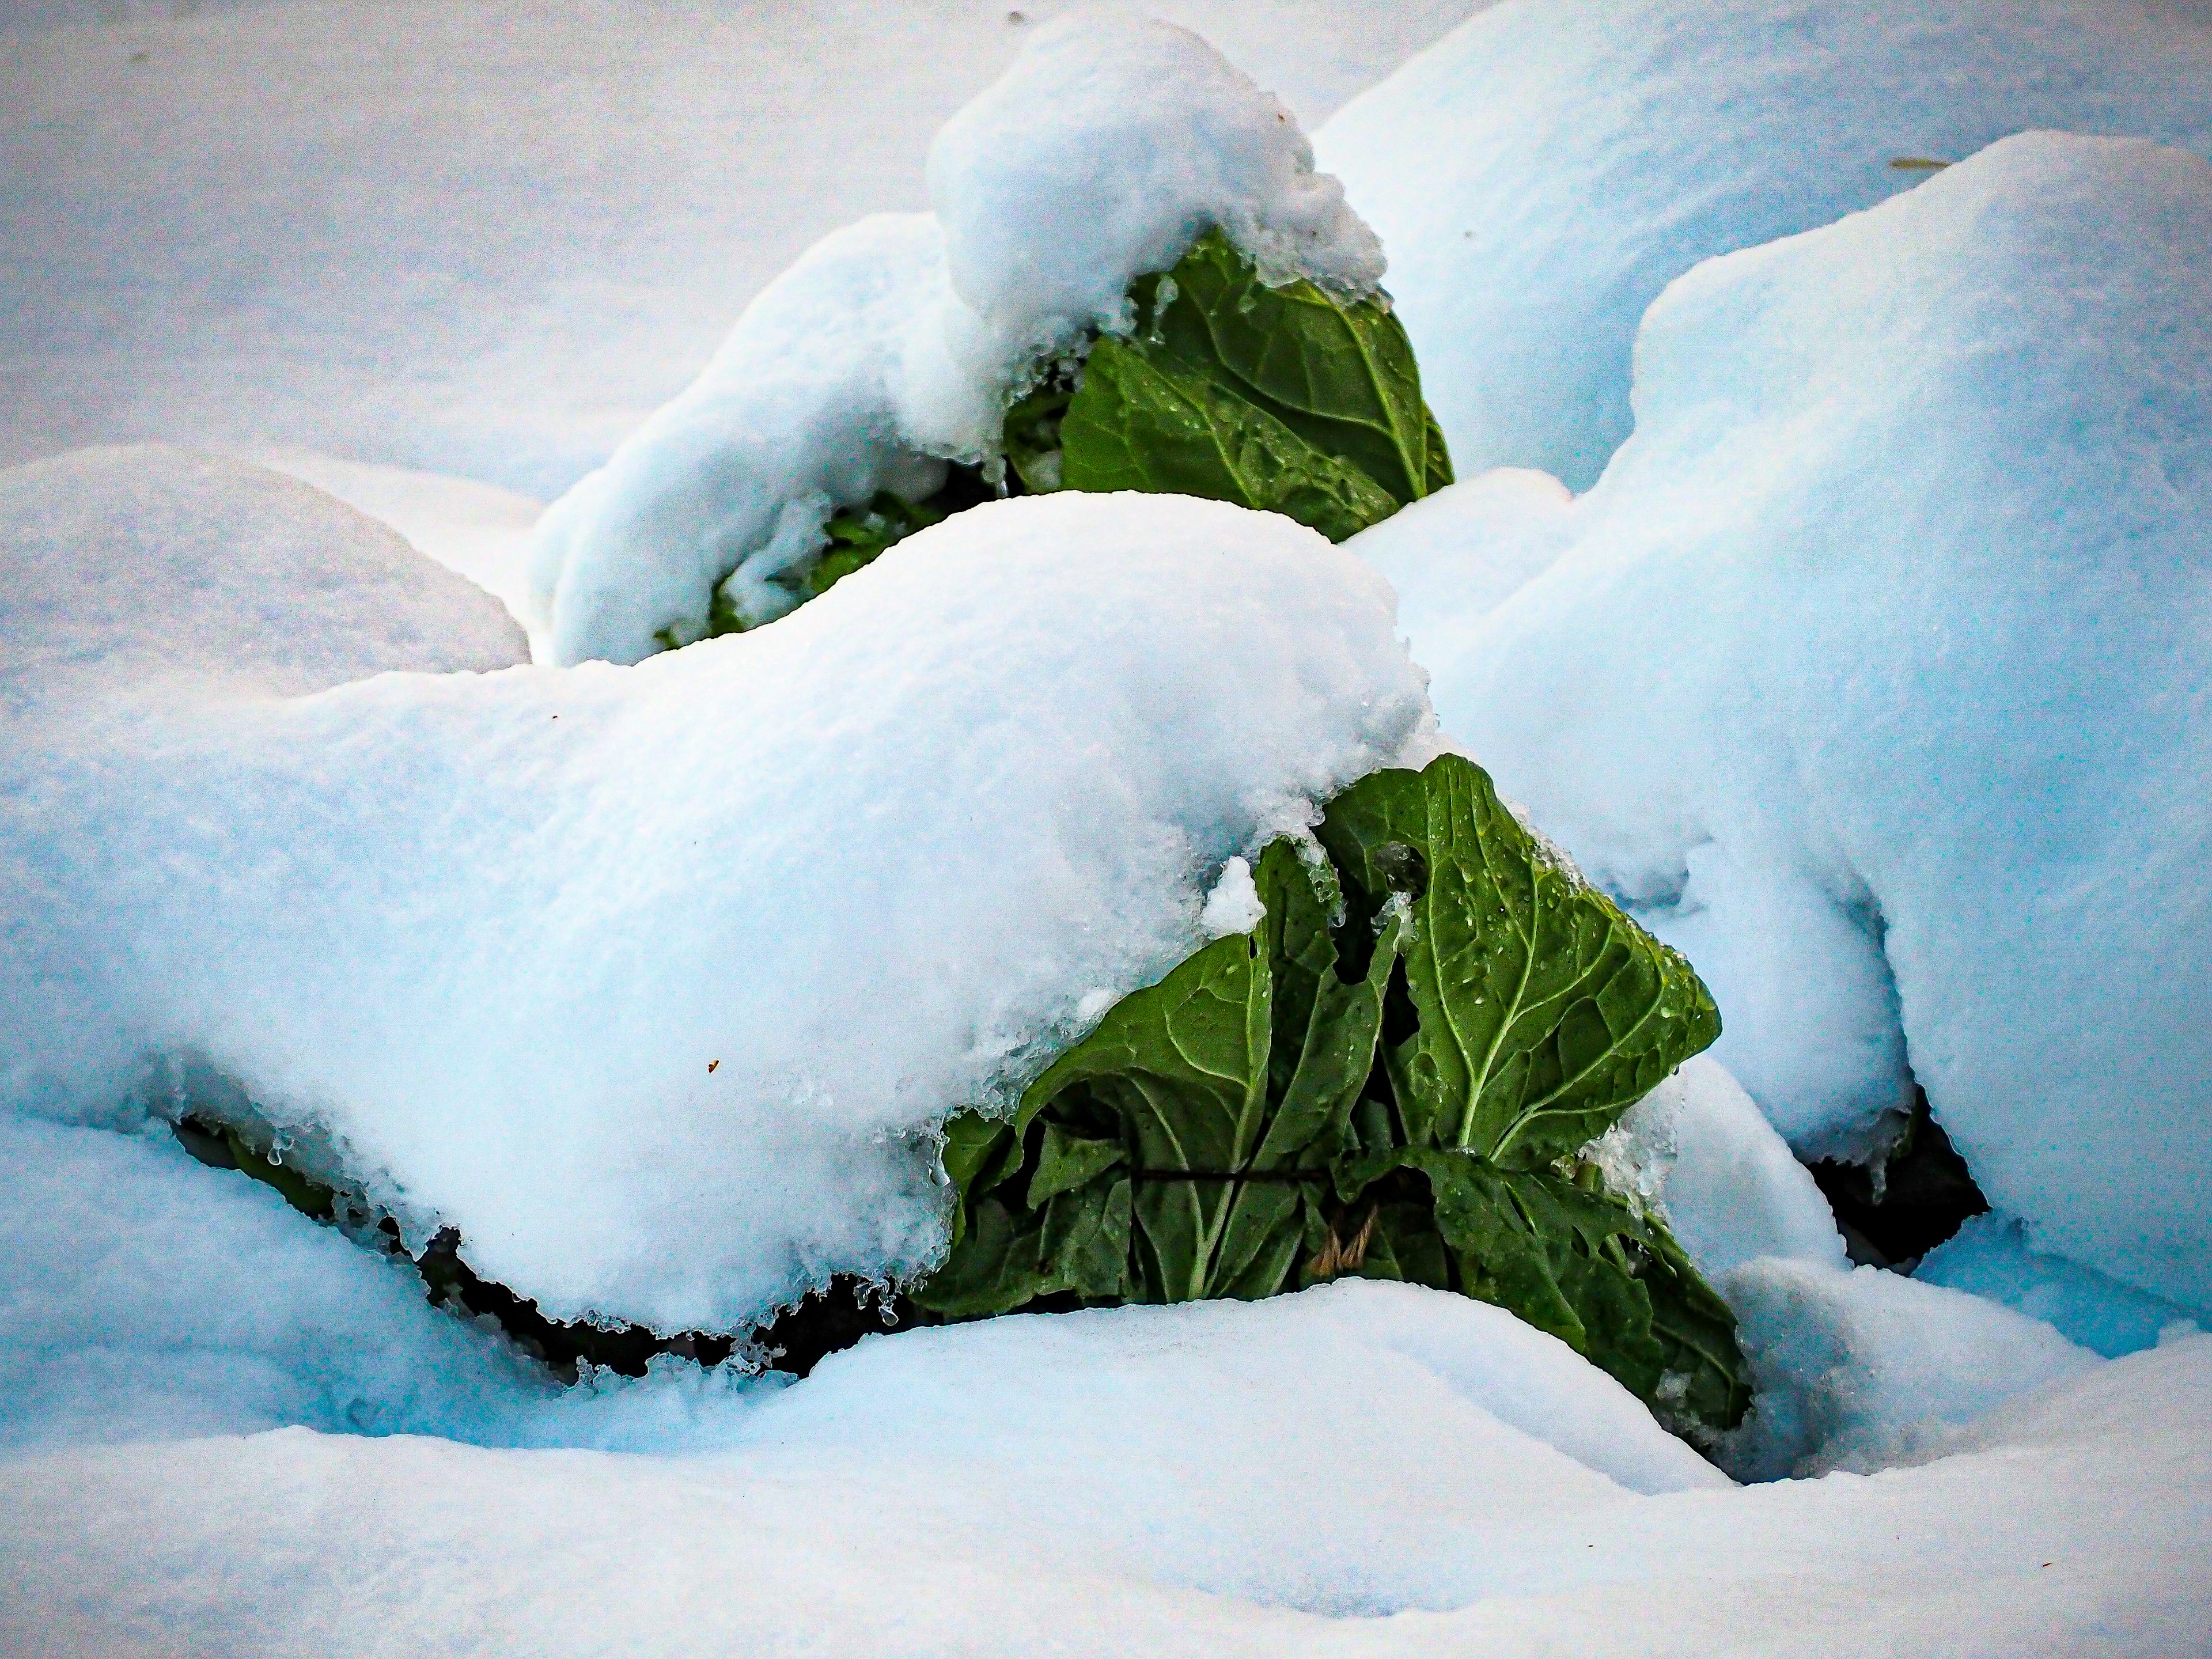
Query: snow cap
pixel 1109 145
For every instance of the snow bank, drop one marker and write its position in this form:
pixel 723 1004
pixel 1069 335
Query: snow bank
pixel 654 982
pixel 1542 172
pixel 1017 1488
pixel 1105 149
pixel 1872 675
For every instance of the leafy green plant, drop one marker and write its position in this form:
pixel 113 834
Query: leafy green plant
pixel 1282 399
pixel 1391 1076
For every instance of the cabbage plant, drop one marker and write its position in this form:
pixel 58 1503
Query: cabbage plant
pixel 1391 1076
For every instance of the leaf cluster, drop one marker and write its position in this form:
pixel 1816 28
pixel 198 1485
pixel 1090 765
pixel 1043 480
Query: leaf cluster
pixel 1280 398
pixel 1391 1077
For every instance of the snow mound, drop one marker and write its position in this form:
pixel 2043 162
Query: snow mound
pixel 654 982
pixel 898 341
pixel 1873 674
pixel 1206 1440
pixel 139 569
pixel 1542 172
pixel 1102 154
pixel 1858 1370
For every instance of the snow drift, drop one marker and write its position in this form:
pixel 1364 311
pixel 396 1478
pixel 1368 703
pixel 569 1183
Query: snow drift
pixel 654 982
pixel 1540 173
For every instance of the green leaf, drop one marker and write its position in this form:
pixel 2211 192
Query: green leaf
pixel 1325 1028
pixel 1543 1011
pixel 1339 375
pixel 1280 398
pixel 1067 1162
pixel 1148 423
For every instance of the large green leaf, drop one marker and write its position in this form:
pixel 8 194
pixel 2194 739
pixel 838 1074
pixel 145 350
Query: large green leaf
pixel 1543 1011
pixel 1281 398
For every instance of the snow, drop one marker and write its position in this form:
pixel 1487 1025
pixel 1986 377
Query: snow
pixel 896 344
pixel 1990 1257
pixel 1539 175
pixel 1857 1369
pixel 1203 1479
pixel 132 571
pixel 475 530
pixel 539 954
pixel 1698 1151
pixel 150 1298
pixel 1852 1369
pixel 480 237
pixel 1102 154
pixel 1872 675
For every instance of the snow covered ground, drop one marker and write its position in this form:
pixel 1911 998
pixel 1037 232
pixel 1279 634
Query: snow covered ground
pixel 1339 1473
pixel 1868 665
pixel 483 239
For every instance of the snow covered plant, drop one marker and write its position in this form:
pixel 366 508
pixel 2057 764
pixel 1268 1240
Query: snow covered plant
pixel 1392 1074
pixel 1132 280
pixel 1275 396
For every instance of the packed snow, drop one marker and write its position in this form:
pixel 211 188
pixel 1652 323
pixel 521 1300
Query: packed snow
pixel 539 954
pixel 1542 172
pixel 1873 674
pixel 896 344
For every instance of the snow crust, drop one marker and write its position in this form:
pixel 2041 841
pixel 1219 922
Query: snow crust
pixel 541 954
pixel 1542 172
pixel 1872 676
pixel 897 344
